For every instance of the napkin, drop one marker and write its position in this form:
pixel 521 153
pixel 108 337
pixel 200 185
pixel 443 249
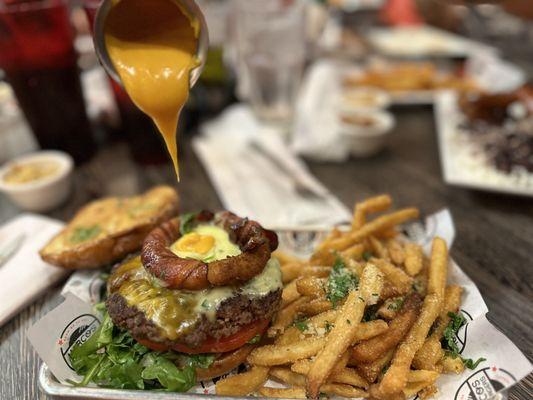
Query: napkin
pixel 254 173
pixel 25 276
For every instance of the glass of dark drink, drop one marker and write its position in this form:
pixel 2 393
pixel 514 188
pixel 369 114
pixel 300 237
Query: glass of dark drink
pixel 39 61
pixel 144 140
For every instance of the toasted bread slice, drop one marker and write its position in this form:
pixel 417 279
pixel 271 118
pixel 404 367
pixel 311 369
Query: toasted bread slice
pixel 107 230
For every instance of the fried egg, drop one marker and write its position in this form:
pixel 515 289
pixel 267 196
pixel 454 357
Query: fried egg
pixel 206 243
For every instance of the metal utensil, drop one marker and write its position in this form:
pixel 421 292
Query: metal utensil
pixel 10 249
pixel 301 187
pixel 101 49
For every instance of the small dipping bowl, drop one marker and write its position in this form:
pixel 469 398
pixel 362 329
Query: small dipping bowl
pixel 364 98
pixel 365 132
pixel 24 181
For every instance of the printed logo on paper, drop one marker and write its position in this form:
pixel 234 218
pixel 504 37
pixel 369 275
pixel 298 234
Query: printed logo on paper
pixel 462 335
pixel 76 332
pixel 484 384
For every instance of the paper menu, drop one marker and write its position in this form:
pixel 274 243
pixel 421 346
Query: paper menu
pixel 504 366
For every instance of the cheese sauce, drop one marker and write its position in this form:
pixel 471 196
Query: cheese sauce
pixel 152 45
pixel 176 312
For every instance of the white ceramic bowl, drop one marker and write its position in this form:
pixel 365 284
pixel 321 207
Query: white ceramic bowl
pixel 364 98
pixel 369 136
pixel 43 194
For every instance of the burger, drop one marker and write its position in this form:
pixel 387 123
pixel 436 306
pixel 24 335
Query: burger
pixel 204 287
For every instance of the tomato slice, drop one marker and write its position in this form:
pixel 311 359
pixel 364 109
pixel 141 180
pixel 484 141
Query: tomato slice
pixel 212 345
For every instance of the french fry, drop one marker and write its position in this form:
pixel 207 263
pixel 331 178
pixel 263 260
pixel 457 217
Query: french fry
pixel 270 355
pixel 285 258
pixel 286 316
pixel 370 371
pixel 422 376
pixel 371 291
pixel 431 352
pixel 395 379
pixel 438 268
pixel 348 376
pixel 340 337
pixel 371 205
pixel 354 252
pixel 412 388
pixel 396 251
pixel 290 293
pixel 311 286
pixel 452 365
pixel 285 375
pixel 315 306
pixel 242 384
pixel 291 270
pixel 376 347
pixel 413 259
pixel 394 275
pixel 381 223
pixel 370 329
pixel 282 393
pixel 339 389
pixel 390 307
pixel 316 327
pixel 378 248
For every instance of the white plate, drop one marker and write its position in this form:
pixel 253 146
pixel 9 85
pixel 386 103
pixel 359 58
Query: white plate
pixel 423 41
pixel 465 165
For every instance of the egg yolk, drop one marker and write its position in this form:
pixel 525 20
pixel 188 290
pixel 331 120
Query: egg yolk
pixel 195 243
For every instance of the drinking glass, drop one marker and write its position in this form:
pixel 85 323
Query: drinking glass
pixel 271 43
pixel 39 60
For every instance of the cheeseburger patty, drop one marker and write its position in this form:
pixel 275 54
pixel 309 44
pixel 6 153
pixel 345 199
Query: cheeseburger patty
pixel 232 314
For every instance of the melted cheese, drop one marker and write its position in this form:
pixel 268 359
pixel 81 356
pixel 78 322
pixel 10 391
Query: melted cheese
pixel 152 45
pixel 176 312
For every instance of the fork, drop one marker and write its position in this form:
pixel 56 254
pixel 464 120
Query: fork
pixel 10 249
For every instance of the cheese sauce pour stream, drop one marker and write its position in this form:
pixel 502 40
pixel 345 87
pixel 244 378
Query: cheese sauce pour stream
pixel 153 45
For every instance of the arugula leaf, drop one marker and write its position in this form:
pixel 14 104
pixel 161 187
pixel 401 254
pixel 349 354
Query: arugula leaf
pixel 201 360
pixel 81 234
pixel 157 367
pixel 471 364
pixel 340 282
pixel 112 358
pixel 187 222
pixel 449 343
pixel 301 324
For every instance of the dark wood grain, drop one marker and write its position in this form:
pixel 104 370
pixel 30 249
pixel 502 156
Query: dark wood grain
pixel 494 243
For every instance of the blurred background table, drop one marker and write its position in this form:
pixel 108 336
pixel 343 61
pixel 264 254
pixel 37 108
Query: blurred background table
pixel 493 245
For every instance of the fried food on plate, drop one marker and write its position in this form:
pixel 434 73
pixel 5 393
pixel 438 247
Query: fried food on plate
pixel 328 338
pixel 107 230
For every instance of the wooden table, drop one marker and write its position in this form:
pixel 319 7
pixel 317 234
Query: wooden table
pixel 494 243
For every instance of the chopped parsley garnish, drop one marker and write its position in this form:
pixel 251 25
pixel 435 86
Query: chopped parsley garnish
pixel 340 282
pixel 301 324
pixel 187 222
pixel 348 322
pixel 328 326
pixel 395 305
pixel 200 360
pixel 367 255
pixel 256 339
pixel 449 343
pixel 81 234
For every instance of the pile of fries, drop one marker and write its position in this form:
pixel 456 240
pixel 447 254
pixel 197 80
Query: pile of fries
pixel 362 318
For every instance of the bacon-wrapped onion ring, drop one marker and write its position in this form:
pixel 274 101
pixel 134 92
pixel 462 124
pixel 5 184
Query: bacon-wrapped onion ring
pixel 255 242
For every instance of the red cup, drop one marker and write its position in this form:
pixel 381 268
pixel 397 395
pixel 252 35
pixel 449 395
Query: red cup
pixel 39 60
